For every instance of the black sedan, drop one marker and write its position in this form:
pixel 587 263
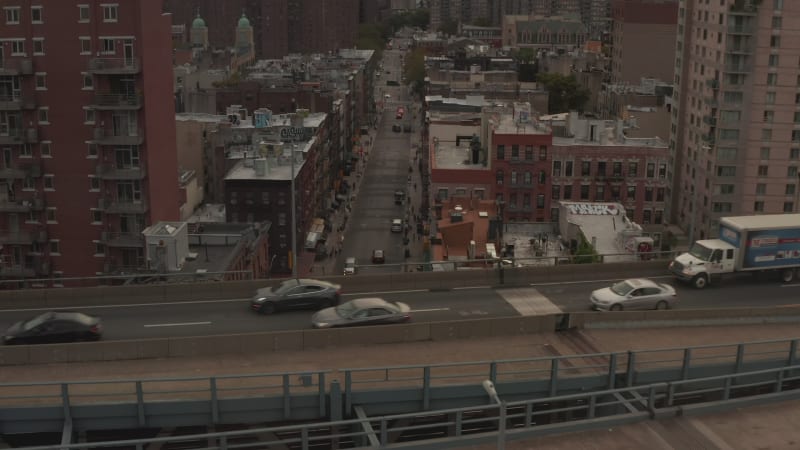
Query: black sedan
pixel 362 311
pixel 296 294
pixel 55 327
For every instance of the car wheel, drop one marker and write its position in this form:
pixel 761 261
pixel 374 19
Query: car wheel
pixel 267 308
pixel 662 305
pixel 700 281
pixel 616 307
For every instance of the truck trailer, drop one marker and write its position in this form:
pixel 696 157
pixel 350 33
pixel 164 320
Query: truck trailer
pixel 765 243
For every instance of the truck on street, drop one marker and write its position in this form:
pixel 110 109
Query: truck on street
pixel 765 243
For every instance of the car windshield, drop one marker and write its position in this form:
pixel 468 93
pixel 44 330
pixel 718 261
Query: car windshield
pixel 700 252
pixel 36 321
pixel 346 309
pixel 622 288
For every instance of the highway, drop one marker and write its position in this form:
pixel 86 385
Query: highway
pixel 230 316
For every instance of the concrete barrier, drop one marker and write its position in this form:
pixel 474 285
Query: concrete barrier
pixel 183 292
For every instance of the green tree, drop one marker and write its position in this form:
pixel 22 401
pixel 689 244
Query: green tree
pixel 565 94
pixel 370 37
pixel 449 27
pixel 414 69
pixel 585 254
pixel 524 55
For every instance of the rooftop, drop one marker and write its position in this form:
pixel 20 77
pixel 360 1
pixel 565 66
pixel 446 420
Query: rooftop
pixel 602 224
pixel 274 169
pixel 509 125
pixel 451 152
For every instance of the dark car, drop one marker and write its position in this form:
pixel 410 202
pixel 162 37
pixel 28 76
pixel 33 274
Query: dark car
pixel 296 294
pixel 362 311
pixel 55 327
pixel 407 128
pixel 396 127
pixel 377 257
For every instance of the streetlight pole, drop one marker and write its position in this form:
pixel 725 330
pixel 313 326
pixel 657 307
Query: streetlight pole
pixel 294 219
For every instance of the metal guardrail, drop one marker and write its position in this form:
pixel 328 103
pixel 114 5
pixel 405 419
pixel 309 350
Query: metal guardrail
pixel 503 421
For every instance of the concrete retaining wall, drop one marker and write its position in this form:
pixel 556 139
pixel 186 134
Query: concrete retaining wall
pixel 183 292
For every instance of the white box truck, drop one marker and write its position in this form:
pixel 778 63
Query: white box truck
pixel 745 244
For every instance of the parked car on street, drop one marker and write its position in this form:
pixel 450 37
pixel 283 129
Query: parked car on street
pixel 350 266
pixel 55 327
pixel 362 311
pixel 407 128
pixel 396 127
pixel 635 293
pixel 378 257
pixel 397 225
pixel 293 294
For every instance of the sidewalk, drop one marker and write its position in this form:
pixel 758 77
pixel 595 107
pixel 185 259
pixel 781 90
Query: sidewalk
pixel 546 344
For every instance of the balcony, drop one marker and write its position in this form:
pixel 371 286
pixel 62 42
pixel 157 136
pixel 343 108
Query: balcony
pixel 108 136
pixel 122 206
pixel 712 102
pixel 22 237
pixel 709 139
pixel 112 172
pixel 709 120
pixel 16 66
pixel 737 68
pixel 119 239
pixel 114 66
pixel 739 50
pixel 17 102
pixel 744 29
pixel 112 101
pixel 12 136
pixel 713 83
pixel 744 8
pixel 21 206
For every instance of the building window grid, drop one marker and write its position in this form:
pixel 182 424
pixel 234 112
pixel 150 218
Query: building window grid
pixel 37 15
pixel 12 15
pixel 110 12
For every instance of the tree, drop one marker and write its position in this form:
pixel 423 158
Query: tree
pixel 585 253
pixel 414 69
pixel 565 94
pixel 370 37
pixel 449 27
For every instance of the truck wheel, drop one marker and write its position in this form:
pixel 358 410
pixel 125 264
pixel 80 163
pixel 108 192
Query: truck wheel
pixel 787 275
pixel 700 281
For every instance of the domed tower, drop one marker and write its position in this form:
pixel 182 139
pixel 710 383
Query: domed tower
pixel 244 33
pixel 199 32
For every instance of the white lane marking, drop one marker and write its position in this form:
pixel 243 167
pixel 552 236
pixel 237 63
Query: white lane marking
pixel 185 324
pixel 529 301
pixel 471 287
pixel 364 294
pixel 130 305
pixel 430 310
pixel 595 281
pixel 790 285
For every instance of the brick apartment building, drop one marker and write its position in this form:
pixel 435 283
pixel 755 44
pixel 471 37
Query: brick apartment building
pixel 87 133
pixel 280 26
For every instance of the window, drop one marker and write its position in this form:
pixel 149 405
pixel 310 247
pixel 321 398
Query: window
pixel 542 152
pixel 91 150
pixel 601 168
pixel 97 216
pixel 542 177
pixel 501 152
pixel 282 219
pixel 108 46
pixel 775 41
pixel 568 168
pixel 761 189
pixel 83 13
pixel 777 5
pixel 631 194
pixel 616 169
pixel 90 116
pixel 86 45
pixel 791 171
pixel 49 182
pixel 648 194
pixel 724 189
pixel 18 47
pixel 499 177
pixel 772 79
pixel 722 207
pixel 599 193
pixel 584 192
pixel 94 183
pixel 556 192
pixel 38 46
pixel 773 60
pixel 51 215
pixel 41 81
pixel 586 168
pixel 36 14
pixel 88 81
pixel 769 116
pixel 46 149
pixel 567 192
pixel 109 13
pixel 443 194
pixel 512 201
pixel 528 179
pixel 660 194
pixel 765 153
pixel 513 178
pixel 615 193
pixel 758 206
pixel 12 15
pixel 788 207
pixel 526 200
pixel 556 168
pixel 515 152
pixel 528 153
pixel 540 200
pixel 791 189
pixel 769 100
pixel 44 115
pixel 55 248
pixel 777 22
pixel 633 169
pixel 763 171
pixel 646 216
pixel 794 153
pixel 99 248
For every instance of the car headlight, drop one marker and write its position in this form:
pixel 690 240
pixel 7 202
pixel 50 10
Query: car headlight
pixel 687 271
pixel 260 300
pixel 322 324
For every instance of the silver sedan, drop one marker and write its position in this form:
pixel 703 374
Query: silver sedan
pixel 362 311
pixel 635 293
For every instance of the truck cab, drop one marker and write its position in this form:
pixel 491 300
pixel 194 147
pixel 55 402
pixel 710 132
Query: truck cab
pixel 705 259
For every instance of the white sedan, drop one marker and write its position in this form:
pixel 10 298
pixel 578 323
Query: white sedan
pixel 635 293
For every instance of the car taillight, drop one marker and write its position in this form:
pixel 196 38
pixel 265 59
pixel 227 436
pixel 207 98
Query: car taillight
pixel 97 329
pixel 338 292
